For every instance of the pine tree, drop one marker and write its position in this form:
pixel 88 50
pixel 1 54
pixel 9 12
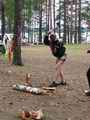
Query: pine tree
pixel 17 60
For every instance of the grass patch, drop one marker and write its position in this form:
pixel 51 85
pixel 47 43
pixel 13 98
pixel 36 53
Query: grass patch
pixel 77 49
pixel 41 49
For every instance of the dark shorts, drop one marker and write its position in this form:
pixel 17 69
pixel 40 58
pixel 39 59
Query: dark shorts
pixel 63 58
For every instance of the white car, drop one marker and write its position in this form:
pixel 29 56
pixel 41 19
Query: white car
pixel 88 39
pixel 8 36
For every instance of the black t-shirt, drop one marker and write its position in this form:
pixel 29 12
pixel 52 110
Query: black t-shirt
pixel 57 47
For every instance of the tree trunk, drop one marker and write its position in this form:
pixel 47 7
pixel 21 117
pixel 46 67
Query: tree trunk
pixel 79 23
pixel 71 26
pixel 75 37
pixel 29 24
pixel 17 60
pixel 40 22
pixel 50 14
pixel 68 25
pixel 54 14
pixel 68 33
pixel 46 16
pixel 9 25
pixel 2 19
pixel 64 37
pixel 28 30
pixel 59 18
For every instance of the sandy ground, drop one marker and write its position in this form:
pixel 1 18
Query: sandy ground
pixel 67 103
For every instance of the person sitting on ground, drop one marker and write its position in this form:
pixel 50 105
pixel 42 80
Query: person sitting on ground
pixel 87 92
pixel 58 50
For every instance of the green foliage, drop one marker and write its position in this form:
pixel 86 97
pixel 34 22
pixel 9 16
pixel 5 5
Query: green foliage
pixel 86 13
pixel 2 49
pixel 9 9
pixel 28 6
pixel 36 4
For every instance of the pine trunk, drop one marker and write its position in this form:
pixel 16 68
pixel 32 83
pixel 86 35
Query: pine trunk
pixel 64 38
pixel 17 60
pixel 71 26
pixel 40 22
pixel 75 37
pixel 54 14
pixel 59 18
pixel 2 19
pixel 79 23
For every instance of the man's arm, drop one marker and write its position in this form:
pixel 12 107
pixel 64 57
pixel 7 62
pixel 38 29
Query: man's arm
pixel 46 41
